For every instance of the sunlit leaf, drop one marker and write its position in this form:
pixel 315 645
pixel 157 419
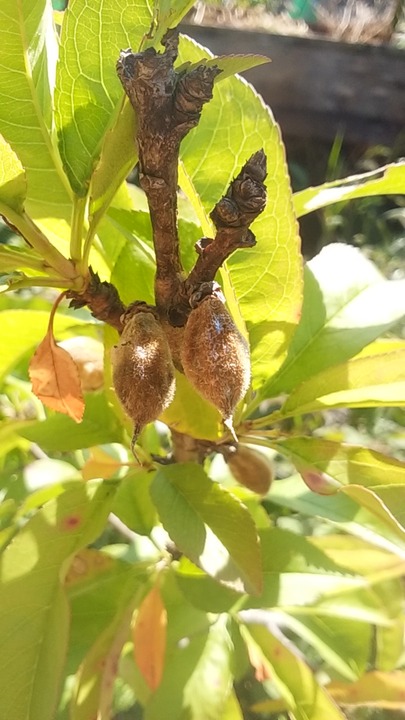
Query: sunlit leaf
pixel 389 645
pixel 266 279
pixel 296 575
pixel 342 511
pixel 344 463
pixel 118 156
pixel 35 618
pixel 22 330
pixel 347 304
pixel 388 180
pixel 375 689
pixel 374 501
pixel 209 525
pixel 88 92
pixel 344 646
pixel 13 185
pixel 28 52
pixel 362 382
pixel 293 678
pixel 60 433
pixel 189 413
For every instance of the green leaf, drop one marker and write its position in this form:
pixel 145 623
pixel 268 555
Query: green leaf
pixel 202 591
pixel 265 280
pixel 386 503
pixel 134 269
pixel 92 694
pixel 197 683
pixel 88 93
pixel 208 689
pixel 28 52
pixel 298 575
pixel 293 678
pixel 209 525
pixel 24 329
pixel 13 184
pixel 374 689
pixel 118 156
pixel 347 464
pixel 133 504
pixel 347 304
pixel 387 180
pixel 344 646
pixel 13 258
pixel 378 380
pixel 190 414
pixel 59 433
pixel 389 645
pixel 340 510
pixel 98 588
pixel 34 620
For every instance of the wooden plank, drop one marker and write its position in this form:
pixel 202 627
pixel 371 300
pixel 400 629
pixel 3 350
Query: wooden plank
pixel 317 87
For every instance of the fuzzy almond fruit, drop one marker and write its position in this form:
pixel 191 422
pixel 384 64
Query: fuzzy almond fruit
pixel 143 371
pixel 250 468
pixel 215 356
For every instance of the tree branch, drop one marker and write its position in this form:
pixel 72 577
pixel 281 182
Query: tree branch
pixel 168 105
pixel 232 215
pixel 102 299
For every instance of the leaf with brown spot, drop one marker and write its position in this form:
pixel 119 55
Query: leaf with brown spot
pixel 54 375
pixel 149 634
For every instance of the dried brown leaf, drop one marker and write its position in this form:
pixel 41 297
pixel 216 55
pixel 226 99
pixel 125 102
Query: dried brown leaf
pixel 55 377
pixel 149 636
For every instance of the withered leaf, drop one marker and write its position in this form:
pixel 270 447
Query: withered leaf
pixel 55 378
pixel 149 635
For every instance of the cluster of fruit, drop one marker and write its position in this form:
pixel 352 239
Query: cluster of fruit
pixel 214 357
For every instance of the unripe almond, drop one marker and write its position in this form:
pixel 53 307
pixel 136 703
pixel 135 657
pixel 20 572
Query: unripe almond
pixel 250 468
pixel 215 356
pixel 143 372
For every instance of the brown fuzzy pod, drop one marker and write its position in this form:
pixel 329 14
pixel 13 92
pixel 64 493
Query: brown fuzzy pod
pixel 215 356
pixel 143 371
pixel 250 468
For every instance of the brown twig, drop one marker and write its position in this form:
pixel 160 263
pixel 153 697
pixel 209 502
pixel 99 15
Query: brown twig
pixel 168 105
pixel 102 299
pixel 232 215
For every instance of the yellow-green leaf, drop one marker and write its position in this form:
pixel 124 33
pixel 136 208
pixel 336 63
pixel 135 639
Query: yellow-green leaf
pixel 13 185
pixel 347 464
pixel 361 382
pixel 375 689
pixel 265 281
pixel 387 180
pixel 293 678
